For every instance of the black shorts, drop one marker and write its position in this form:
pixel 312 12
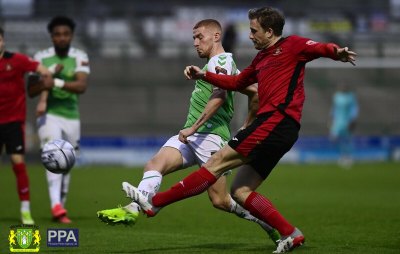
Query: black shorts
pixel 12 135
pixel 266 140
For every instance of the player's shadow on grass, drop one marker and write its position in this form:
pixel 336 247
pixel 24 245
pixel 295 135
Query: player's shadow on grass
pixel 11 220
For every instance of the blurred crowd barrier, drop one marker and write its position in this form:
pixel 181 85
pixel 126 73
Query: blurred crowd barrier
pixel 136 151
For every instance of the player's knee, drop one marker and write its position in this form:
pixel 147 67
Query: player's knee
pixel 214 161
pixel 234 194
pixel 219 202
pixel 148 166
pixel 239 195
pixel 153 164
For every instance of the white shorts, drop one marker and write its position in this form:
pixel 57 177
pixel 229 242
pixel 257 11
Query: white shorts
pixel 199 150
pixel 55 127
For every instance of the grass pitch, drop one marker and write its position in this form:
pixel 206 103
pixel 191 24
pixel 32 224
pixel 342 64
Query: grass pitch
pixel 338 210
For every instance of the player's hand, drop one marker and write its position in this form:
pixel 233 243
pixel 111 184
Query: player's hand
pixel 345 55
pixel 185 133
pixel 56 68
pixel 43 82
pixel 193 72
pixel 59 68
pixel 41 108
pixel 47 82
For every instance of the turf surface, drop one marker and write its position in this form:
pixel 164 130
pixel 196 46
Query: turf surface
pixel 338 210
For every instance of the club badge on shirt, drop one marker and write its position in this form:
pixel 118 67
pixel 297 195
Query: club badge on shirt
pixel 278 51
pixel 8 67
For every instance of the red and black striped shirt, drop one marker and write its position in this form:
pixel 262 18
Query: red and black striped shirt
pixel 279 72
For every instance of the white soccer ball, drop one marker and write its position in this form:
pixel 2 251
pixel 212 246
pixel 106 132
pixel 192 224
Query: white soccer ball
pixel 58 156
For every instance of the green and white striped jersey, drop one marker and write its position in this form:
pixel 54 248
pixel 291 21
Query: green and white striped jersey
pixel 61 102
pixel 219 123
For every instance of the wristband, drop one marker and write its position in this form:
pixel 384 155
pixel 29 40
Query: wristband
pixel 59 83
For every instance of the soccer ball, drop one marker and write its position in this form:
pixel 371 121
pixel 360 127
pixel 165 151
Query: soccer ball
pixel 58 156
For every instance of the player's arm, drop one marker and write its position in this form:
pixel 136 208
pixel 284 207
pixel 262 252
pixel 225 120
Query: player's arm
pixel 39 81
pixel 312 49
pixel 78 86
pixel 48 83
pixel 228 82
pixel 216 100
pixel 41 107
pixel 82 71
pixel 252 94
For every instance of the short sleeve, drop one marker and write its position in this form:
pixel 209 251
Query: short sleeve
pixel 27 64
pixel 221 64
pixel 38 57
pixel 82 63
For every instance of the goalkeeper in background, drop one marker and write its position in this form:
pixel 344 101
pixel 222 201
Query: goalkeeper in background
pixel 344 115
pixel 57 109
pixel 204 133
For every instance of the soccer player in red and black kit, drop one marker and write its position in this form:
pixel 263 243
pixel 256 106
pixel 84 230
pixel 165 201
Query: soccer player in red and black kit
pixel 13 67
pixel 278 69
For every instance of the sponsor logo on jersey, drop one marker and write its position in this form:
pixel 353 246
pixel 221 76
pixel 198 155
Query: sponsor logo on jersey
pixel 278 51
pixel 311 42
pixel 219 69
pixel 197 90
pixel 8 67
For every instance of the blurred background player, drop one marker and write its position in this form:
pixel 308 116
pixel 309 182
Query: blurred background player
pixel 57 108
pixel 230 38
pixel 278 68
pixel 344 114
pixel 13 67
pixel 204 133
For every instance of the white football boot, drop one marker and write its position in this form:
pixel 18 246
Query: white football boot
pixel 145 203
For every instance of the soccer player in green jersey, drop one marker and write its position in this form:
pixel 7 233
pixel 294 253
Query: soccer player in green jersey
pixel 57 108
pixel 204 133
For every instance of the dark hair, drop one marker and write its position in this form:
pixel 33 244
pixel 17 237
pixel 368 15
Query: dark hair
pixel 60 21
pixel 268 18
pixel 1 31
pixel 208 22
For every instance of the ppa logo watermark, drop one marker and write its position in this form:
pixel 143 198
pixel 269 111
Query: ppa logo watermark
pixel 62 237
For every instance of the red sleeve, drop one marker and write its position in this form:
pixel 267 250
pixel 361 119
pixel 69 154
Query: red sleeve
pixel 322 50
pixel 310 50
pixel 27 63
pixel 232 82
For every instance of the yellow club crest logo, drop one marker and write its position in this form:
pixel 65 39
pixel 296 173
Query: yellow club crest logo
pixel 24 238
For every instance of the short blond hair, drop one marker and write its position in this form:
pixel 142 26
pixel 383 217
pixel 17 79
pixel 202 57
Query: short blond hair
pixel 209 23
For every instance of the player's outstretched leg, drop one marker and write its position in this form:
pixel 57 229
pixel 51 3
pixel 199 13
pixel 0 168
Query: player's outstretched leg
pixel 290 242
pixel 273 234
pixel 136 196
pixel 126 215
pixel 239 211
